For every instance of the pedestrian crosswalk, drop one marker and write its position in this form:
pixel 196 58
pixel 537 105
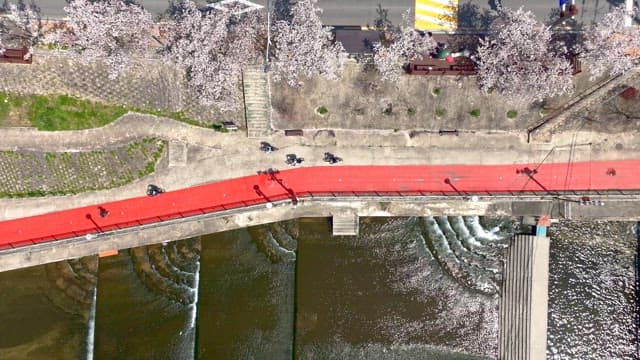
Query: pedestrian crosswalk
pixel 436 15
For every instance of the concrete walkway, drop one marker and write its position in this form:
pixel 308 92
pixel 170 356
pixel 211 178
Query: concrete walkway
pixel 213 156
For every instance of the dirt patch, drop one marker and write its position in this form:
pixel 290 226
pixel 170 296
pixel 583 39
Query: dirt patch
pixel 360 100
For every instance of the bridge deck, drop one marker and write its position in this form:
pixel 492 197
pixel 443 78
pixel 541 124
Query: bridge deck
pixel 314 181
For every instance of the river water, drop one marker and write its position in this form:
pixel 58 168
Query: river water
pixel 405 288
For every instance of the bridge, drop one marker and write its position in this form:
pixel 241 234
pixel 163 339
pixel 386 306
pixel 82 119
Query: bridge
pixel 344 193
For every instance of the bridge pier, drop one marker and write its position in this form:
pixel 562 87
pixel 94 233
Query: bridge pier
pixel 524 300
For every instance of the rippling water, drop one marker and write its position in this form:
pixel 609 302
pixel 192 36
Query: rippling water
pixel 592 298
pixel 145 302
pixel 406 288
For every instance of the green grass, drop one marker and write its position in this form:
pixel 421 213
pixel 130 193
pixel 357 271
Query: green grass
pixel 62 112
pixel 322 110
pixel 5 105
pixel 511 114
pixel 475 112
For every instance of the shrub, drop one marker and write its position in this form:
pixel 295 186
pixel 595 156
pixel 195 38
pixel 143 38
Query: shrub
pixel 411 111
pixel 436 91
pixel 388 110
pixel 629 93
pixel 322 110
pixel 440 112
pixel 475 112
pixel 511 114
pixel 219 127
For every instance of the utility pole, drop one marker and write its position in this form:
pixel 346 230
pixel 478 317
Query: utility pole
pixel 629 9
pixel 266 53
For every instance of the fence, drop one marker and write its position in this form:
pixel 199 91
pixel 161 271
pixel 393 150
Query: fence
pixel 294 198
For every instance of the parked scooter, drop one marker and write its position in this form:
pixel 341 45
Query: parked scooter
pixel 331 159
pixel 293 160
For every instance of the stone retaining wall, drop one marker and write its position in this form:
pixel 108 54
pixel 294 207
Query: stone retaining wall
pixel 149 83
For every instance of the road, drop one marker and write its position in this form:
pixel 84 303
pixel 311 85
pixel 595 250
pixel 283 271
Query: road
pixel 362 12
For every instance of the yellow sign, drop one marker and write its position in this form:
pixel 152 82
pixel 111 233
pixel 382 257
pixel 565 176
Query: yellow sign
pixel 436 15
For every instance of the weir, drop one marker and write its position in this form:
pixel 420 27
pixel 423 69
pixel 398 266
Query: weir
pixel 524 300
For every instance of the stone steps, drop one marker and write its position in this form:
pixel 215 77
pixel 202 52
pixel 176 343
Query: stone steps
pixel 523 304
pixel 257 104
pixel 345 224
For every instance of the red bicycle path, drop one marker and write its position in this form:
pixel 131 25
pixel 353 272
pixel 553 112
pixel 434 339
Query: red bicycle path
pixel 323 180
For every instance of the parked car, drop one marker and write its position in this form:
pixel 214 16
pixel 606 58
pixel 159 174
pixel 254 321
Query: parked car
pixel 154 190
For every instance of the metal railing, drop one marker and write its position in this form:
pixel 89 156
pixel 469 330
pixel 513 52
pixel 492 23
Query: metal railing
pixel 295 198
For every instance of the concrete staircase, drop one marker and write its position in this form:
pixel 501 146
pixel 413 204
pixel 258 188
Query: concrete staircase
pixel 345 224
pixel 523 303
pixel 257 101
pixel 596 94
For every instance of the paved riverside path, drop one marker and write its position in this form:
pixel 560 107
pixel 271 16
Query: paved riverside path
pixel 322 180
pixel 231 155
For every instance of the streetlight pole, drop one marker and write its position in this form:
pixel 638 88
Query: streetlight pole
pixel 266 53
pixel 629 8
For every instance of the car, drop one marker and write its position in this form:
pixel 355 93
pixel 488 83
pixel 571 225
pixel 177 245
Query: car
pixel 154 190
pixel 267 148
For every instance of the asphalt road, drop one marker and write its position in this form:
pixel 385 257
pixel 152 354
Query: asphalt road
pixel 362 12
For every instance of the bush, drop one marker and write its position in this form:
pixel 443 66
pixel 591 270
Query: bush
pixel 511 114
pixel 322 110
pixel 411 111
pixel 219 127
pixel 440 112
pixel 475 112
pixel 436 91
pixel 388 110
pixel 629 93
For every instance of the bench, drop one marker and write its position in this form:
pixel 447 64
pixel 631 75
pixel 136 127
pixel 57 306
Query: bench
pixel 448 132
pixel 293 132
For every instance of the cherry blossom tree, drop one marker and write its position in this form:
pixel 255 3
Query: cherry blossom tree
pixel 213 47
pixel 109 30
pixel 400 46
pixel 27 27
pixel 519 60
pixel 304 47
pixel 610 47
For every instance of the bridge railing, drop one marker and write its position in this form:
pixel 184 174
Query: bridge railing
pixel 294 197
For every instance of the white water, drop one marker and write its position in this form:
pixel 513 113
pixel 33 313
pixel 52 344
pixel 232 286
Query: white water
pixel 194 306
pixel 473 223
pixel 91 333
pixel 279 251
